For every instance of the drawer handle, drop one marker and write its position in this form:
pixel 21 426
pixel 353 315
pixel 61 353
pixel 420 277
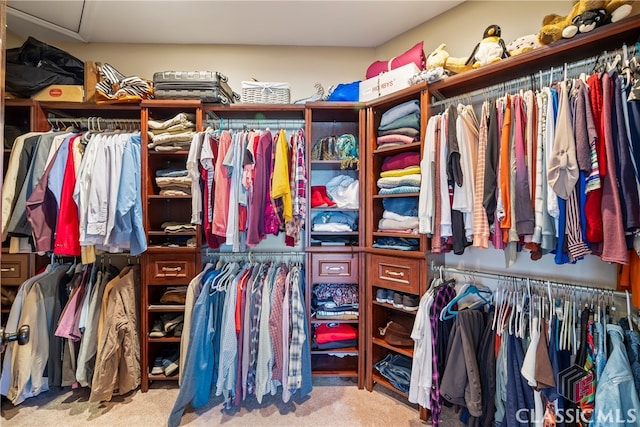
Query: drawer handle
pixel 395 273
pixel 335 268
pixel 171 269
pixel 7 270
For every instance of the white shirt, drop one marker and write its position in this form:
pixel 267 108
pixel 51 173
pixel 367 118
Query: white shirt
pixel 426 201
pixel 445 206
pixel 192 168
pixel 422 366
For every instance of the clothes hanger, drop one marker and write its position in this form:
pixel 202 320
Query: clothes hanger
pixel 447 312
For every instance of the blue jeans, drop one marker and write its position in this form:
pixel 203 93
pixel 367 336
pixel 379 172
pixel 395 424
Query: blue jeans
pixel 397 369
pixel 632 345
pixel 401 205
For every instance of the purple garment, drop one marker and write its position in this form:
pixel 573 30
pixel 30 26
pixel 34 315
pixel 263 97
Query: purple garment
pixel 68 323
pixel 400 161
pixel 442 297
pixel 259 196
pixel 524 211
pixel 42 212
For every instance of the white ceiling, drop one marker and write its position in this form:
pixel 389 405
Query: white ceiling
pixel 264 22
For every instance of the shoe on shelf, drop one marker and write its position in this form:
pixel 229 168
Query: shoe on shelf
pixel 397 300
pixel 157 330
pixel 170 364
pixel 390 295
pixel 327 199
pixel 177 332
pixel 410 302
pixel 171 320
pixel 157 368
pixel 317 201
pixel 381 295
pixel 174 295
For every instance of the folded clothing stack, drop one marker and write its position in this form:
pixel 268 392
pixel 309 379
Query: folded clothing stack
pixel 174 295
pixel 174 134
pixel 396 243
pixel 335 222
pixel 400 215
pixel 177 227
pixel 399 125
pixel 173 182
pixel 335 301
pixel 335 335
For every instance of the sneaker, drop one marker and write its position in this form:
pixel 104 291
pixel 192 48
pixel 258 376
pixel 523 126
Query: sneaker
pixel 157 330
pixel 381 295
pixel 177 332
pixel 171 321
pixel 390 295
pixel 170 364
pixel 397 300
pixel 157 368
pixel 410 302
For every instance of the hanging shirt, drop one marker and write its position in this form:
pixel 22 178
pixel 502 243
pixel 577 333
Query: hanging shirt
pixel 280 188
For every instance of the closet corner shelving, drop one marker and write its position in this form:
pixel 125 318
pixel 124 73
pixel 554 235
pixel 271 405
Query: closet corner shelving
pixel 165 263
pixel 328 262
pixel 397 270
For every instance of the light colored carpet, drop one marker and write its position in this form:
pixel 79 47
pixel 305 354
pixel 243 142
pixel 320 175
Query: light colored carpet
pixel 334 402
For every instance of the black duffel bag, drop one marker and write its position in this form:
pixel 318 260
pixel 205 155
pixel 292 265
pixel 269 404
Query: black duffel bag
pixel 36 65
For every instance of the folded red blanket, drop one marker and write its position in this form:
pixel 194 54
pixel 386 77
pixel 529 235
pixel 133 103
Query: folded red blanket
pixel 415 55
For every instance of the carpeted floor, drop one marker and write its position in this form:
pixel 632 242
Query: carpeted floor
pixel 334 402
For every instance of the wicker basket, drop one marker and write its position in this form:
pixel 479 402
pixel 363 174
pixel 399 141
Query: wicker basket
pixel 265 93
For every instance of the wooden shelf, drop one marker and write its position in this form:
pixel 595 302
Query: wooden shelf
pixel 171 103
pixel 390 196
pixel 158 196
pixel 166 233
pixel 390 306
pixel 379 379
pixel 180 153
pixel 318 321
pixel 335 350
pixel 396 253
pixel 393 234
pixel 398 149
pixel 169 250
pixel 160 308
pixel 163 339
pixel 406 351
pixel 335 373
pixel 333 248
pixel 162 377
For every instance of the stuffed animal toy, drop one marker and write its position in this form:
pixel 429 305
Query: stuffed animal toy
pixel 523 44
pixel 585 22
pixel 490 49
pixel 441 58
pixel 553 25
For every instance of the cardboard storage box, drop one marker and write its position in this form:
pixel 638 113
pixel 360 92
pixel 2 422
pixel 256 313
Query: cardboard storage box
pixel 68 93
pixel 388 82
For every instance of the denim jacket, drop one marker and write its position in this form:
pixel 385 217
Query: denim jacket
pixel 616 397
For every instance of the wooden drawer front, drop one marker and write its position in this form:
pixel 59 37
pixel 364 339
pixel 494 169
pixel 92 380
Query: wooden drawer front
pixel 15 269
pixel 335 268
pixel 172 268
pixel 400 274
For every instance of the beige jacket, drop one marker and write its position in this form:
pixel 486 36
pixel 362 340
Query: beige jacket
pixel 117 368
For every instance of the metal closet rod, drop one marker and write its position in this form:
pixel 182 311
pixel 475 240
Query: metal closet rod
pixel 509 277
pixel 94 123
pixel 241 124
pixel 538 78
pixel 247 254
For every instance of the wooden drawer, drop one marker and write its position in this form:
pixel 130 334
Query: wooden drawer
pixel 15 268
pixel 171 268
pixel 400 274
pixel 334 268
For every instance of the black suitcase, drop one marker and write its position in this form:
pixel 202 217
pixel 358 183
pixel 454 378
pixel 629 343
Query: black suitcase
pixel 209 86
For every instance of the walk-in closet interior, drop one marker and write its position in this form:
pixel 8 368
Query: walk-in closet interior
pixel 204 223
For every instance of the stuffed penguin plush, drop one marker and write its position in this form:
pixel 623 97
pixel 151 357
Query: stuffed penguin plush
pixel 490 49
